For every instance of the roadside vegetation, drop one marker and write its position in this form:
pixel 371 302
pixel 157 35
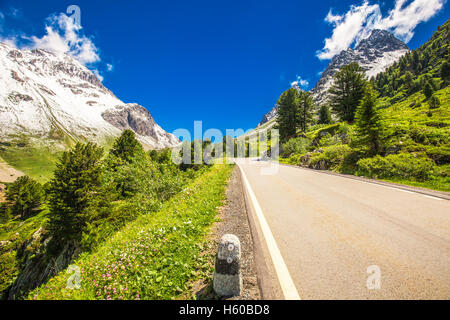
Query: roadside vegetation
pixel 91 196
pixel 394 127
pixel 154 257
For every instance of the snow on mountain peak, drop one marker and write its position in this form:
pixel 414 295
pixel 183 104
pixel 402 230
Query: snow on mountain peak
pixel 44 91
pixel 374 54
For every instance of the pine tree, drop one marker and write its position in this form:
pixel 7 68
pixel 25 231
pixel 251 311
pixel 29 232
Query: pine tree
pixel 75 191
pixel 428 89
pixel 125 151
pixel 287 114
pixel 305 105
pixel 324 115
pixel 126 146
pixel 24 197
pixel 347 91
pixel 409 81
pixel 368 122
pixel 445 71
pixel 434 102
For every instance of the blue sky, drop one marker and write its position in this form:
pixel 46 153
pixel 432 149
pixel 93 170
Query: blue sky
pixel 222 62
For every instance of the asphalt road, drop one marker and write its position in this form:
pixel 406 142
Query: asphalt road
pixel 329 229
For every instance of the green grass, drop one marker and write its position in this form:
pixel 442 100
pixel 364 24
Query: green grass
pixel 154 257
pixel 14 234
pixel 37 158
pixel 38 163
pixel 439 184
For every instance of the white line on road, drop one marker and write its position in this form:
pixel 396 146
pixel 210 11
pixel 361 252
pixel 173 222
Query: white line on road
pixel 431 197
pixel 286 283
pixel 402 190
pixel 382 185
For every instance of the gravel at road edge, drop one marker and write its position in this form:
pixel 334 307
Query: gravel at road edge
pixel 233 219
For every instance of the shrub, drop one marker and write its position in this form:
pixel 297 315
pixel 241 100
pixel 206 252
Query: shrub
pixel 402 165
pixel 333 156
pixel 434 102
pixel 295 146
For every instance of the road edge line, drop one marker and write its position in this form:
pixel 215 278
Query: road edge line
pixel 286 283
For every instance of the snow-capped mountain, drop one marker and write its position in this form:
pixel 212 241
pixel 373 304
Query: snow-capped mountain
pixel 374 54
pixel 50 96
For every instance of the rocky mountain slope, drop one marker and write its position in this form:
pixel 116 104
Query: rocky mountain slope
pixel 374 54
pixel 269 115
pixel 51 98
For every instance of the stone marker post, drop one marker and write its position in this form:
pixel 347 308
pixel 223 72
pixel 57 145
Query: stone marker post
pixel 227 280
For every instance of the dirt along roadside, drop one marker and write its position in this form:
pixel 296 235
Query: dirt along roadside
pixel 233 219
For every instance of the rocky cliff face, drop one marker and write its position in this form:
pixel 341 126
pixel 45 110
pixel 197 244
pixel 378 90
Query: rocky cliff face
pixel 44 93
pixel 374 54
pixel 269 115
pixel 135 117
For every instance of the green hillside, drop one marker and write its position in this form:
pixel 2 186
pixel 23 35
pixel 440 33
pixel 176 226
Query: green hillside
pixel 413 127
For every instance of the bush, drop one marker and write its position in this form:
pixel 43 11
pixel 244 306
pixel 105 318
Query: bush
pixel 295 146
pixel 434 102
pixel 402 165
pixel 333 156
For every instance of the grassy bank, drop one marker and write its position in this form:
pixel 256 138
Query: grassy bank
pixel 153 257
pixel 416 151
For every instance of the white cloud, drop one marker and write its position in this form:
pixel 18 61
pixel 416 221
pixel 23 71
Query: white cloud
pixel 109 67
pixel 402 20
pixel 63 35
pixel 358 22
pixel 300 83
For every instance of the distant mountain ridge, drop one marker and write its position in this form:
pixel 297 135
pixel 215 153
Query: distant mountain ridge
pixel 51 97
pixel 374 54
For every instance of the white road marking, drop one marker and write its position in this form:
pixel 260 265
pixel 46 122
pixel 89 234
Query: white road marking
pixel 403 190
pixel 431 197
pixel 399 189
pixel 286 283
pixel 393 188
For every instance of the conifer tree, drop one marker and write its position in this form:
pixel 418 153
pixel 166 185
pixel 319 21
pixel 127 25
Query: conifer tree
pixel 368 122
pixel 75 191
pixel 445 71
pixel 347 91
pixel 324 115
pixel 434 102
pixel 126 146
pixel 287 114
pixel 305 105
pixel 428 89
pixel 24 197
